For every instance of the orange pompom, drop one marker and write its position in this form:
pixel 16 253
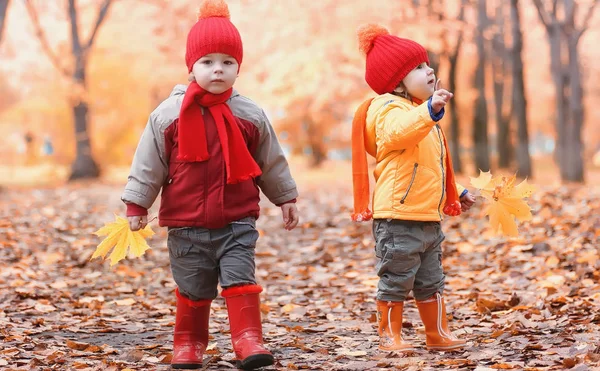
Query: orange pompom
pixel 367 34
pixel 213 8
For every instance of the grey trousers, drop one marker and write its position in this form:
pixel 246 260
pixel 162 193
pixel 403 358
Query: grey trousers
pixel 409 257
pixel 201 258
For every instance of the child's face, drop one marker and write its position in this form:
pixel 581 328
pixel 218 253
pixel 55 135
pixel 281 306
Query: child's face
pixel 216 72
pixel 420 82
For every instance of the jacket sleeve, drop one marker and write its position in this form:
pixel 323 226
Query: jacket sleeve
pixel 401 128
pixel 461 189
pixel 276 181
pixel 149 169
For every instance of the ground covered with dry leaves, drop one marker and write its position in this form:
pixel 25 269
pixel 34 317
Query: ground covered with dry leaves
pixel 530 303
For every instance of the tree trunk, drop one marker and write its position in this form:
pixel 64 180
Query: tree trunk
pixel 480 131
pixel 500 68
pixel 318 154
pixel 453 61
pixel 519 99
pixel 84 165
pixel 434 60
pixel 560 101
pixel 454 120
pixel 3 9
pixel 503 142
pixel 573 149
pixel 314 140
pixel 564 36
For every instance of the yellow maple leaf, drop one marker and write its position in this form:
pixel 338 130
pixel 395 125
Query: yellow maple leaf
pixel 506 201
pixel 119 236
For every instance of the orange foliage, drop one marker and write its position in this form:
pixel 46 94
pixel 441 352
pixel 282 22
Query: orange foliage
pixel 302 65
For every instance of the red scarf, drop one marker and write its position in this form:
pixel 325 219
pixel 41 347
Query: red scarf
pixel 239 163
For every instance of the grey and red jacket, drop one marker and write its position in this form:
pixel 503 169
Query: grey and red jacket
pixel 196 194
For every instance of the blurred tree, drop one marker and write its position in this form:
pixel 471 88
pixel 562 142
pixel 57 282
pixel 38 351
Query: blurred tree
pixel 451 27
pixel 500 59
pixel 8 95
pixel 564 36
pixel 519 104
pixel 84 165
pixel 480 121
pixel 3 9
pixel 306 66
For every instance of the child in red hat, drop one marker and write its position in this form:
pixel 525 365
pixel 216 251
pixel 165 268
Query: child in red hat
pixel 414 184
pixel 210 150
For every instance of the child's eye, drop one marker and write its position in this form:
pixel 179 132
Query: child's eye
pixel 420 66
pixel 229 63
pixel 207 62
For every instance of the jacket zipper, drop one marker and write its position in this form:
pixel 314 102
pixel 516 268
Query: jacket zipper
pixel 412 180
pixel 205 213
pixel 442 167
pixel 170 180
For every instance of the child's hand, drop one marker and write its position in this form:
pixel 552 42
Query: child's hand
pixel 290 216
pixel 467 201
pixel 137 222
pixel 440 98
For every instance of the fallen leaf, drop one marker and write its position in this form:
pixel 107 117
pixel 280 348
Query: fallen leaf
pixel 121 237
pixel 486 305
pixel 125 302
pixel 76 345
pixel 43 308
pixel 502 366
pixel 505 201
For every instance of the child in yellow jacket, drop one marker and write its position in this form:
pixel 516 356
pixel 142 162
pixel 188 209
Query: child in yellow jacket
pixel 414 184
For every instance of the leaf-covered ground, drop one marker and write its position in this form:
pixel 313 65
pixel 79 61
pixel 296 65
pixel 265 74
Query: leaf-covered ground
pixel 530 303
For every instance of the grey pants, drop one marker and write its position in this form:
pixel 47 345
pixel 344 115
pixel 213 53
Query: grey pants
pixel 201 258
pixel 409 257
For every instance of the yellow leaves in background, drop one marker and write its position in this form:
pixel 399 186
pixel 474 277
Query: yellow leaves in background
pixel 119 236
pixel 506 201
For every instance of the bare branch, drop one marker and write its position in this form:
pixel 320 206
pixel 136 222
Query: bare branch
pixel 461 13
pixel 457 46
pixel 158 3
pixel 545 17
pixel 569 20
pixel 75 42
pixel 39 32
pixel 586 20
pixel 3 8
pixel 101 17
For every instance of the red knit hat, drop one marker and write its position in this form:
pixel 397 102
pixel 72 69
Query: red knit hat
pixel 389 58
pixel 213 33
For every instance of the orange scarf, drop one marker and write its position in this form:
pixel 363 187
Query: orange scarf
pixel 360 171
pixel 239 163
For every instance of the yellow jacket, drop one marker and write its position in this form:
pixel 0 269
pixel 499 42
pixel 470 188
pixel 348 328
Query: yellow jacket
pixel 411 170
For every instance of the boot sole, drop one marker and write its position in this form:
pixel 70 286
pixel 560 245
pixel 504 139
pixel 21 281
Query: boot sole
pixel 187 366
pixel 411 349
pixel 256 361
pixel 453 347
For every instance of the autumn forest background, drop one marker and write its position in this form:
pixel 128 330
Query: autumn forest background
pixel 78 79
